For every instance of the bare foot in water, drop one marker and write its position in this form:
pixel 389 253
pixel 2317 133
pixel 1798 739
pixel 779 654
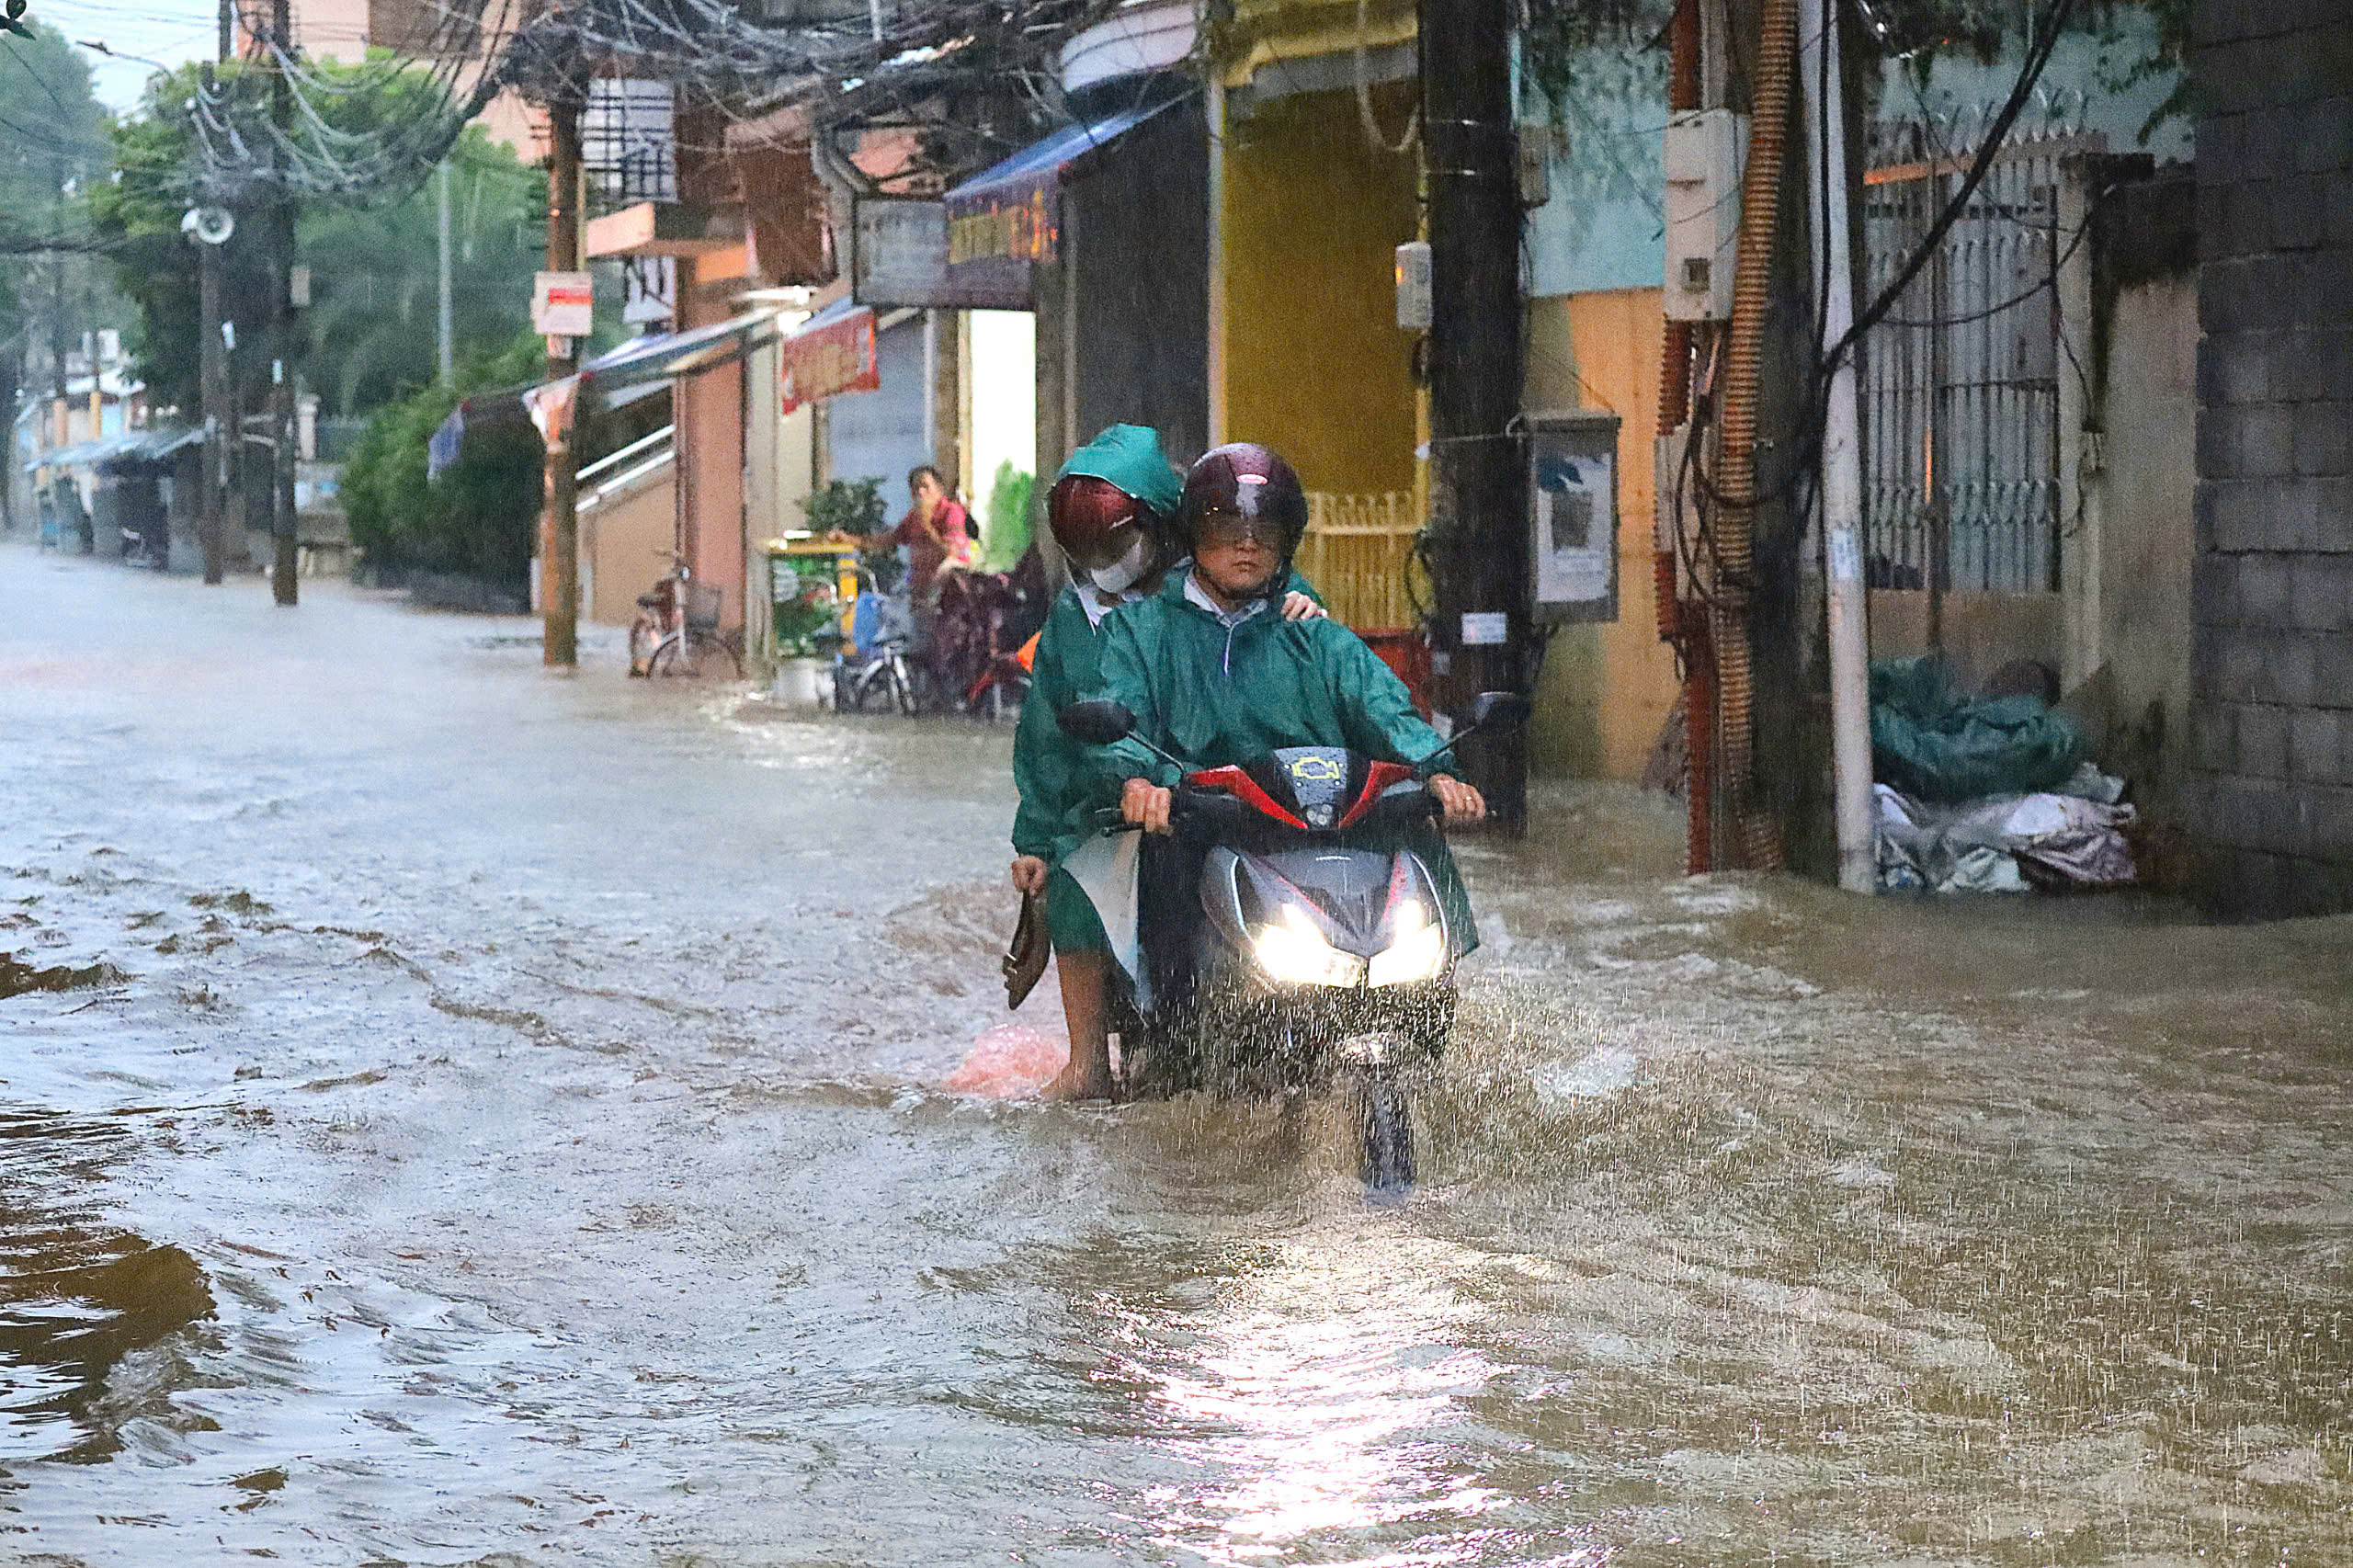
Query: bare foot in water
pixel 1080 1081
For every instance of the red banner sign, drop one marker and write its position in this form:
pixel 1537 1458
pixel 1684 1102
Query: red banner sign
pixel 821 361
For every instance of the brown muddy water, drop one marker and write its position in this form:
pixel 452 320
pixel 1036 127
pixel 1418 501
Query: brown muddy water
pixel 487 1118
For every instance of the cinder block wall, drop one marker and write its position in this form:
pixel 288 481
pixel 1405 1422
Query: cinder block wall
pixel 2271 798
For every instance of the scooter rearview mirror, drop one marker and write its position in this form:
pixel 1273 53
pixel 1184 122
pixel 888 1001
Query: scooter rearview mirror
pixel 1098 722
pixel 1499 712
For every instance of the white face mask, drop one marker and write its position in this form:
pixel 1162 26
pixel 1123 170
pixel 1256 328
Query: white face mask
pixel 1118 577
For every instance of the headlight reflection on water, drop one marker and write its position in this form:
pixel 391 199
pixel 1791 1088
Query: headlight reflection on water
pixel 1318 1394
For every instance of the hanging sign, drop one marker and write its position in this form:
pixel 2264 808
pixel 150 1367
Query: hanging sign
pixel 995 233
pixel 899 256
pixel 562 304
pixel 832 358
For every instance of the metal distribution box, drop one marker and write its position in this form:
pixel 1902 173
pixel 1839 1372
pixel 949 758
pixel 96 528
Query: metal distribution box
pixel 1705 151
pixel 1573 514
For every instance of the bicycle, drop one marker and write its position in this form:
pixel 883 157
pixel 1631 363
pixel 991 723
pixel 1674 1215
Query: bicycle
pixel 678 628
pixel 873 662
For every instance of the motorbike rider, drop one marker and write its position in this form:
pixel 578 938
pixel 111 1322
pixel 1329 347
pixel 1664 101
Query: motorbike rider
pixel 1214 678
pixel 1112 511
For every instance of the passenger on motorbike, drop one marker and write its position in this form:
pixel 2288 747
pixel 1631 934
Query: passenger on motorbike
pixel 1110 511
pixel 1214 678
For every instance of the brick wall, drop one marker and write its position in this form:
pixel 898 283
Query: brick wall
pixel 2271 801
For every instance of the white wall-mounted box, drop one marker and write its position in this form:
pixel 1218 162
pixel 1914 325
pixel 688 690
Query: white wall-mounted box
pixel 1706 153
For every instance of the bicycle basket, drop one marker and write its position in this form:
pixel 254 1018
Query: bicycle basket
pixel 703 602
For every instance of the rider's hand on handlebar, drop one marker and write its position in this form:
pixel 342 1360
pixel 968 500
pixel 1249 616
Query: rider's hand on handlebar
pixel 1460 801
pixel 1030 874
pixel 1146 804
pixel 1298 606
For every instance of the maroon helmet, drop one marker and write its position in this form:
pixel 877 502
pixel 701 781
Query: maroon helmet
pixel 1084 511
pixel 1246 479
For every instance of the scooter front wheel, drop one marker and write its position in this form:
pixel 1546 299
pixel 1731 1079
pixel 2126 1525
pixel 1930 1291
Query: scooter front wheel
pixel 1386 1117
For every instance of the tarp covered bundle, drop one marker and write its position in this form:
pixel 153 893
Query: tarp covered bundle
pixel 1935 744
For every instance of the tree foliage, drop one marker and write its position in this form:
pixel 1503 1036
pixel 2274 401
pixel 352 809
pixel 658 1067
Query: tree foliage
pixel 478 519
pixel 370 327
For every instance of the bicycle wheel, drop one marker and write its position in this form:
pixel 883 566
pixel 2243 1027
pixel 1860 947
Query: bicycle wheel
pixel 902 684
pixel 674 659
pixel 718 656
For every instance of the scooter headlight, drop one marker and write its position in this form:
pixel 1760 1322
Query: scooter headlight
pixel 1296 953
pixel 1416 952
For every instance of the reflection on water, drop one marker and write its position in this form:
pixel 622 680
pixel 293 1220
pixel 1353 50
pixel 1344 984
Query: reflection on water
pixel 77 1296
pixel 509 1125
pixel 1320 1384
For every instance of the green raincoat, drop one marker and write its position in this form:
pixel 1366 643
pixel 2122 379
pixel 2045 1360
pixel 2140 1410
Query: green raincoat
pixel 1058 794
pixel 1214 694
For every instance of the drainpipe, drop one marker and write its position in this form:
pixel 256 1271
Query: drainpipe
pixel 1688 634
pixel 1841 490
pixel 1757 838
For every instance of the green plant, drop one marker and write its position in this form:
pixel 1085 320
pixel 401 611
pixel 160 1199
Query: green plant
pixel 845 506
pixel 1008 531
pixel 478 519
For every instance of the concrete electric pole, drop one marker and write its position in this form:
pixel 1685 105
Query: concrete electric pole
pixel 1481 642
pixel 285 326
pixel 559 537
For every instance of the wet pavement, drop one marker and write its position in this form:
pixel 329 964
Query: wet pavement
pixel 473 1116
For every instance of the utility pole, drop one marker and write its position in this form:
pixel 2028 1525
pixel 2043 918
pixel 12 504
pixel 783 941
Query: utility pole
pixel 559 535
pixel 281 364
pixel 1478 512
pixel 213 383
pixel 444 345
pixel 1842 475
pixel 222 428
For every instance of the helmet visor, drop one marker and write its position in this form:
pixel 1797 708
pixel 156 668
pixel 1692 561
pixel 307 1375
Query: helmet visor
pixel 1223 527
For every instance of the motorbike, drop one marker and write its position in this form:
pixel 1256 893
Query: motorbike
pixel 1319 954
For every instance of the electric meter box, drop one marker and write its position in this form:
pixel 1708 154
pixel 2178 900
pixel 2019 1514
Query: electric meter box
pixel 1573 514
pixel 1706 154
pixel 1414 286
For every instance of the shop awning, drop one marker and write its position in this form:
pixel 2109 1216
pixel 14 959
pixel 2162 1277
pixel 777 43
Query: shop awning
pixel 666 356
pixel 618 376
pixel 1039 167
pixel 1007 217
pixel 124 447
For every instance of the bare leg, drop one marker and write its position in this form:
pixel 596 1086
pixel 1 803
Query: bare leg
pixel 1089 1077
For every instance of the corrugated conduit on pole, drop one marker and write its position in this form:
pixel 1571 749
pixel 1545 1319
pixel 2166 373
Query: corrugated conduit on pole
pixel 1757 840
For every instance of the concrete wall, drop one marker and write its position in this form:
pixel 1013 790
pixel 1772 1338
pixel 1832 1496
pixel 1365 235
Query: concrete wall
pixel 1314 364
pixel 2142 498
pixel 2272 590
pixel 623 536
pixel 1606 688
pixel 709 411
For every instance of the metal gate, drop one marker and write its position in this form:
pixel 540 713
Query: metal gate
pixel 1961 381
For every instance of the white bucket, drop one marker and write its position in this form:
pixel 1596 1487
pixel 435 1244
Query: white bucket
pixel 796 682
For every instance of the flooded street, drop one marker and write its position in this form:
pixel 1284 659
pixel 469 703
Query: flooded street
pixel 450 1114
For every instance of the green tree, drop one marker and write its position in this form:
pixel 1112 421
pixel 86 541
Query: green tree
pixel 478 519
pixel 53 150
pixel 375 275
pixel 371 251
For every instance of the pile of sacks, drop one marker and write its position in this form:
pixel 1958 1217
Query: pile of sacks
pixel 1989 793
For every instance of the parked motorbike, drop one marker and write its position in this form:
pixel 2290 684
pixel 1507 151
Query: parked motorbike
pixel 1321 953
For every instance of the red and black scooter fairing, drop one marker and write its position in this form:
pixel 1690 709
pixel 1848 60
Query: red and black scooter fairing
pixel 1314 789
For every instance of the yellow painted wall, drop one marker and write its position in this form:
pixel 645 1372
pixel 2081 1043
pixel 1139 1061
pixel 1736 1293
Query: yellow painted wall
pixel 622 537
pixel 1315 365
pixel 1606 688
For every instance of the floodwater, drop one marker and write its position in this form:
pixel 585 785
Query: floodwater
pixel 489 1118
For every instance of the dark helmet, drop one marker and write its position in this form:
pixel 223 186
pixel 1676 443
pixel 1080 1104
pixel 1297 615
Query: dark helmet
pixel 1244 477
pixel 1083 511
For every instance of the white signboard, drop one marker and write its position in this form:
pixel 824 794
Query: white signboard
pixel 562 304
pixel 1573 514
pixel 1485 627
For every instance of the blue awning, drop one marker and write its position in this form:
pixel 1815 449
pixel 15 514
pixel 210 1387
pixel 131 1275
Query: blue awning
pixel 1048 159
